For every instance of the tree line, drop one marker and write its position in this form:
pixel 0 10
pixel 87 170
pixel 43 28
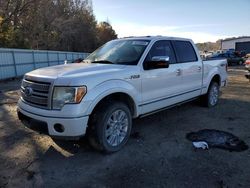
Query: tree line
pixel 209 46
pixel 67 25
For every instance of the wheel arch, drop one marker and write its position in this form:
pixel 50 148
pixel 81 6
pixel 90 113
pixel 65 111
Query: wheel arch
pixel 216 78
pixel 116 96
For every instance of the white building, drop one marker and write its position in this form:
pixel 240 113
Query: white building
pixel 242 42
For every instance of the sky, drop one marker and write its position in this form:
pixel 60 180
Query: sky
pixel 200 20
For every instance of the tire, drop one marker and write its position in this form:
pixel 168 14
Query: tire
pixel 212 96
pixel 110 127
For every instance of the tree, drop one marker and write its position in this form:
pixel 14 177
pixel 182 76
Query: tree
pixel 11 14
pixel 52 25
pixel 209 46
pixel 105 33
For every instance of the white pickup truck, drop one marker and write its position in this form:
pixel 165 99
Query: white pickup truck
pixel 124 79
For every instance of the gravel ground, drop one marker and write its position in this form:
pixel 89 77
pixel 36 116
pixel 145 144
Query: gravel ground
pixel 157 154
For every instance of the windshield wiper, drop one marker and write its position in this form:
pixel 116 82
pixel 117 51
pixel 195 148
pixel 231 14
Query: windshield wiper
pixel 103 61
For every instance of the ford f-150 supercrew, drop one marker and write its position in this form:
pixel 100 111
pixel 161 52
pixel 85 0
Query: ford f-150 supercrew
pixel 124 79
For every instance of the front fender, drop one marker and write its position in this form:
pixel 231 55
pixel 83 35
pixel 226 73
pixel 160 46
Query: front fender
pixel 110 87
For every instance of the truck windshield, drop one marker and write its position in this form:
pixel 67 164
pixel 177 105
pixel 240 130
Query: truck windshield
pixel 125 52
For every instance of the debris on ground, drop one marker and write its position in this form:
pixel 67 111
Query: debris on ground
pixel 202 145
pixel 217 139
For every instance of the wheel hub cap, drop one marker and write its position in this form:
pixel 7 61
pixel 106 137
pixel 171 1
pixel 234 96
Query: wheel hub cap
pixel 116 128
pixel 214 95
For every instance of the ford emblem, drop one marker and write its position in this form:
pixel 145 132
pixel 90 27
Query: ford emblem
pixel 28 91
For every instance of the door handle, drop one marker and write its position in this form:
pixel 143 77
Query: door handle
pixel 199 68
pixel 178 72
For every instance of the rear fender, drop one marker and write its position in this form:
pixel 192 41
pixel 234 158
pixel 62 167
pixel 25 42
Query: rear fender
pixel 208 79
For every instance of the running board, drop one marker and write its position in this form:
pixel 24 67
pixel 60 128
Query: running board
pixel 168 107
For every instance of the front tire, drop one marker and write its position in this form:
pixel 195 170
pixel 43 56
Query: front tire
pixel 111 127
pixel 212 96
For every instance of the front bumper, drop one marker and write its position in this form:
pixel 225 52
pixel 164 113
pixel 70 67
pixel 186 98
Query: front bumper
pixel 68 128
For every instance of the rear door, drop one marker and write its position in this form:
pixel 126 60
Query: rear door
pixel 190 67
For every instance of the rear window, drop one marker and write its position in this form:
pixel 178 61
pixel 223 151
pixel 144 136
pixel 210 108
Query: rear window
pixel 184 51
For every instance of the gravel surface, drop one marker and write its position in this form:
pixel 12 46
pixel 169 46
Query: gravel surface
pixel 157 154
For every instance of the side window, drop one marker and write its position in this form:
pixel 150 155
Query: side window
pixel 161 48
pixel 184 51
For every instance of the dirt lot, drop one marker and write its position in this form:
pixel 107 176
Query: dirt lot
pixel 157 155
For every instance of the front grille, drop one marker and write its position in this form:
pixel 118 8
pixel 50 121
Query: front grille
pixel 36 93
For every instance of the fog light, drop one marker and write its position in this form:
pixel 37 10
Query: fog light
pixel 59 128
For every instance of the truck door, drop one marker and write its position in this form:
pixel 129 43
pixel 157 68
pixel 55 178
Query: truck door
pixel 161 86
pixel 190 67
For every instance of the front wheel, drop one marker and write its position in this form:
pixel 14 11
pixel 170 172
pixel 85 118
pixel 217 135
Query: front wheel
pixel 111 127
pixel 212 96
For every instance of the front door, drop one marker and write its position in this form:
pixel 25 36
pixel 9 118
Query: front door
pixel 160 87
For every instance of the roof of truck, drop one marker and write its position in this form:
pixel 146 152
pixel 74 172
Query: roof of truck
pixel 156 37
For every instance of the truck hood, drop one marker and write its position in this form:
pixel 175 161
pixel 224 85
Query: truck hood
pixel 74 70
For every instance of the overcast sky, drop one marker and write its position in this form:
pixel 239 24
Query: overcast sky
pixel 201 20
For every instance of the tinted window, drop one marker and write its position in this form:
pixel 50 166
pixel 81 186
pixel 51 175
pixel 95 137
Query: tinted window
pixel 161 48
pixel 184 51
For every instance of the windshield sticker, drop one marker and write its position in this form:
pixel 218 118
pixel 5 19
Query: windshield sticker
pixel 143 43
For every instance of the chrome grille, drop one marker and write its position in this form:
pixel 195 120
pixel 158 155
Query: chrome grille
pixel 35 93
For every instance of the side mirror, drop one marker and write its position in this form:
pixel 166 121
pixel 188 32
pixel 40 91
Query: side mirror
pixel 157 62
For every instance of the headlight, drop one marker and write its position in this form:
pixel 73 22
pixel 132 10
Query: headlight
pixel 67 95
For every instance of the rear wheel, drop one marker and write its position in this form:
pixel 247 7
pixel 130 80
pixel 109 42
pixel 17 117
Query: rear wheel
pixel 111 127
pixel 212 96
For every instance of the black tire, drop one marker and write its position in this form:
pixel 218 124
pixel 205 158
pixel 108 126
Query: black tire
pixel 99 125
pixel 211 99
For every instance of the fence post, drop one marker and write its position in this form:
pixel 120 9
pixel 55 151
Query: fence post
pixel 48 58
pixel 34 61
pixel 58 62
pixel 14 63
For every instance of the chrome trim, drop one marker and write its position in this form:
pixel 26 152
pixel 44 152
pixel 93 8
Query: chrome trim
pixel 41 93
